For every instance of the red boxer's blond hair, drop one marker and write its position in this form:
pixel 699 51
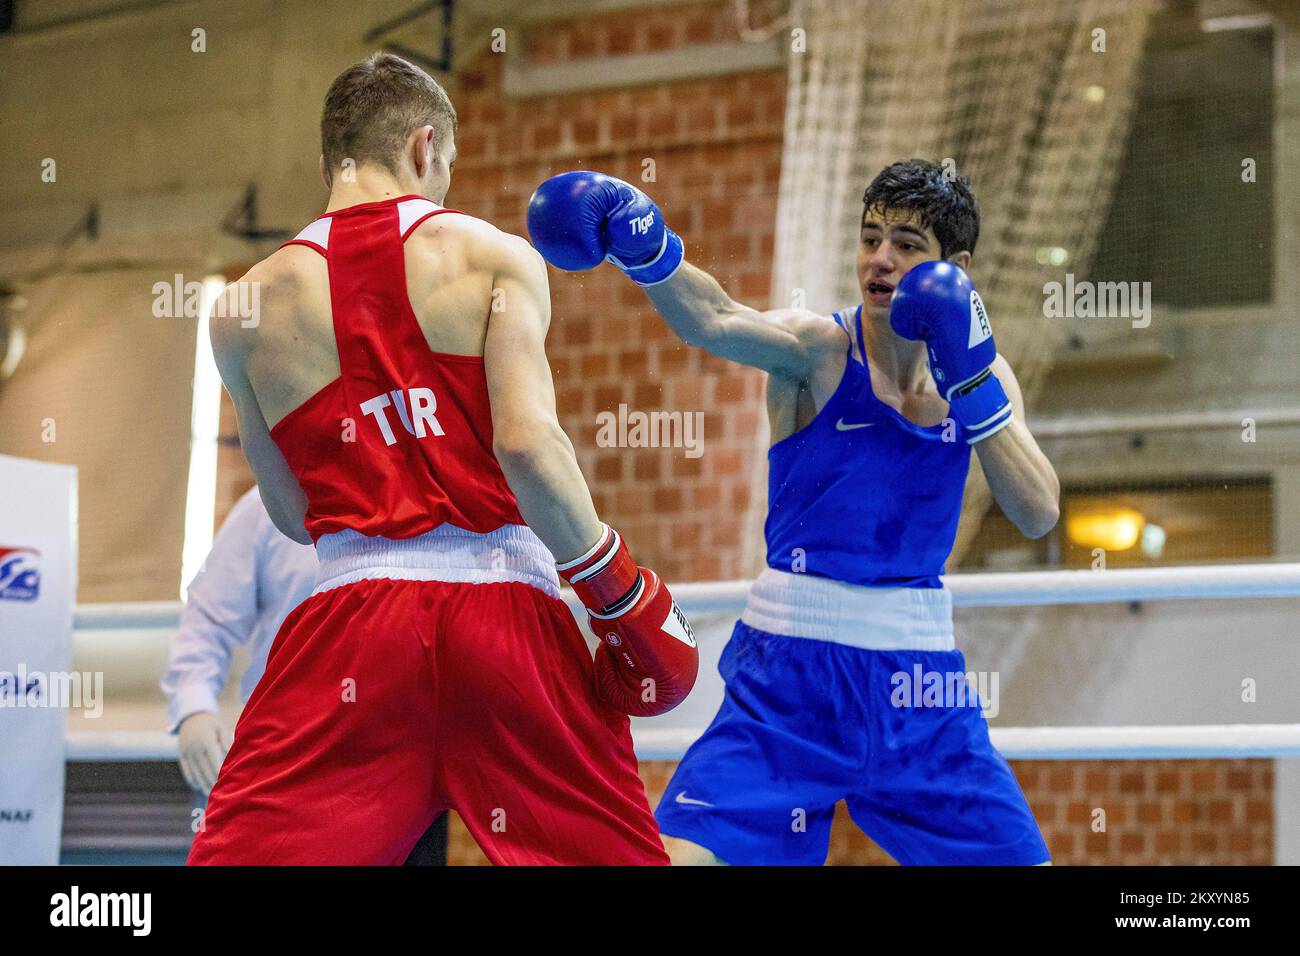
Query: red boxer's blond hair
pixel 373 106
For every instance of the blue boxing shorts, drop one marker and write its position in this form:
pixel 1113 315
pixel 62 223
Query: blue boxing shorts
pixel 837 692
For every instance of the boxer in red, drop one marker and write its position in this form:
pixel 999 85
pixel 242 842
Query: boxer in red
pixel 396 406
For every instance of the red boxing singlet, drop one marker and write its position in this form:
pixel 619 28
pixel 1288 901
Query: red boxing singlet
pixel 401 441
pixel 474 689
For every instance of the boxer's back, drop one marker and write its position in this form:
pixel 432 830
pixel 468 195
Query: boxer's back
pixel 367 364
pixel 294 355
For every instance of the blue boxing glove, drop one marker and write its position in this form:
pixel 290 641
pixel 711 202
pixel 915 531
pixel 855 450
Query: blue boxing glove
pixel 579 219
pixel 936 303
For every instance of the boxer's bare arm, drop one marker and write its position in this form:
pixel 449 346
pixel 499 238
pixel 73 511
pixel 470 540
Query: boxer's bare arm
pixel 1022 480
pixel 790 343
pixel 284 498
pixel 535 455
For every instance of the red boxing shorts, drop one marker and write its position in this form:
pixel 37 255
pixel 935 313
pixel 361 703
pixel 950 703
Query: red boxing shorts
pixel 400 689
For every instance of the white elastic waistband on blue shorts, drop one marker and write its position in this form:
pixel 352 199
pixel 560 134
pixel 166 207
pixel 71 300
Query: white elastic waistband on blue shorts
pixel 879 619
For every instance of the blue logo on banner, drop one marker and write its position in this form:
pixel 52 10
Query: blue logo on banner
pixel 20 577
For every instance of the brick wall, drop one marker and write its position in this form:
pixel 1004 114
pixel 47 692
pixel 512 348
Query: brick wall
pixel 716 146
pixel 1157 812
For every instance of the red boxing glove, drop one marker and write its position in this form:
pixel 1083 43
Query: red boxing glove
pixel 647 659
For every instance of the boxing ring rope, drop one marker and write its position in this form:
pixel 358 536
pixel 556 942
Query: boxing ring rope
pixel 1225 741
pixel 1022 588
pixel 126 615
pixel 727 598
pixel 1088 426
pixel 993 589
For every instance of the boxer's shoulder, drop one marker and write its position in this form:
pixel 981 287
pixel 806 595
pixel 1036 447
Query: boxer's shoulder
pixel 286 270
pixel 293 279
pixel 807 326
pixel 455 226
pixel 820 336
pixel 480 242
pixel 272 296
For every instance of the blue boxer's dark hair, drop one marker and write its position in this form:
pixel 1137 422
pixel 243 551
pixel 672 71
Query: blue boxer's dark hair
pixel 941 200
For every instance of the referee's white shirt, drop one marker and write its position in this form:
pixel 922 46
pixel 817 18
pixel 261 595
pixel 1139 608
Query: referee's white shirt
pixel 253 577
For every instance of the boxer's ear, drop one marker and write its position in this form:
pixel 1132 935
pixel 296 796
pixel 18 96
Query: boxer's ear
pixel 961 260
pixel 423 155
pixel 325 173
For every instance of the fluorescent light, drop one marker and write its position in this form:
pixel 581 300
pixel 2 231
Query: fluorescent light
pixel 205 424
pixel 1114 529
pixel 1244 21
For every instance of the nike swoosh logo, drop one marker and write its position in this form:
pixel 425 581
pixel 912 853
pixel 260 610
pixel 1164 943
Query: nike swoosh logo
pixel 843 426
pixel 683 798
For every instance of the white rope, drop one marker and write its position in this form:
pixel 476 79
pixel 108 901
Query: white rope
pixel 127 615
pixel 1224 741
pixel 1128 584
pixel 1020 588
pixel 1089 425
pixel 1228 741
pixel 997 589
pixel 119 745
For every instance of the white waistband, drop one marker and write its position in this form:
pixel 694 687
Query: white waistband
pixel 512 553
pixel 880 619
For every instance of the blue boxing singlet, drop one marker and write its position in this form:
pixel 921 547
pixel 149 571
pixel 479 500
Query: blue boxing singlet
pixel 861 494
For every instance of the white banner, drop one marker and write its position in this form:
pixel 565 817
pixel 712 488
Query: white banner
pixel 38 585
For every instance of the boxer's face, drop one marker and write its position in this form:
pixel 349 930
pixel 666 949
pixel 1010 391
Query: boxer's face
pixel 890 242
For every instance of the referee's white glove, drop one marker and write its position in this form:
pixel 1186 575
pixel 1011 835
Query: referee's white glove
pixel 202 746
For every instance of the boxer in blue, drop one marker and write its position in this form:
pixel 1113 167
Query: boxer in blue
pixel 874 412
